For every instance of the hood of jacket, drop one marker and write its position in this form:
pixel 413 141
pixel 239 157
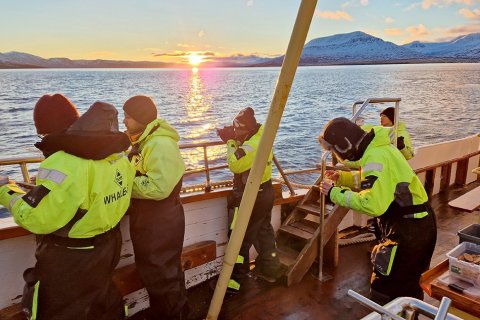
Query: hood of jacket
pixel 382 136
pixel 158 127
pixel 93 136
pixel 401 126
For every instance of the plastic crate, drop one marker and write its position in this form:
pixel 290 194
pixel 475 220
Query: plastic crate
pixel 470 234
pixel 463 270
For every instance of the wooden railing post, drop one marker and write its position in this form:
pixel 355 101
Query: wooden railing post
pixel 461 173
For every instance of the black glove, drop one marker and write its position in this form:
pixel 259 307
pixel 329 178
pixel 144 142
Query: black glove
pixel 400 143
pixel 226 133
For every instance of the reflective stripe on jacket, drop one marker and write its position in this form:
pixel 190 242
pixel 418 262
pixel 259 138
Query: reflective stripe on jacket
pixel 393 179
pixel 159 162
pixel 67 184
pixel 240 164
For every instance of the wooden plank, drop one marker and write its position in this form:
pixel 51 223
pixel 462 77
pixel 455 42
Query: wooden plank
pixel 287 255
pixel 198 254
pixel 302 226
pixel 430 182
pixel 298 233
pixel 310 208
pixel 469 201
pixel 13 312
pixel 304 261
pixel 445 177
pixel 330 251
pixel 311 220
pixel 461 174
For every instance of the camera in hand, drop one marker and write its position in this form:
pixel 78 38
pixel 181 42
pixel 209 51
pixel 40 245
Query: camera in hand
pixel 400 143
pixel 226 133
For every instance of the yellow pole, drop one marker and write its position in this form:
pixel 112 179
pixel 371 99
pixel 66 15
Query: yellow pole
pixel 279 100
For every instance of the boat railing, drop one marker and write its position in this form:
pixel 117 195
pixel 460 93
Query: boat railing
pixel 371 101
pixel 205 167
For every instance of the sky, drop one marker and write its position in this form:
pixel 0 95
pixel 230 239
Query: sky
pixel 180 30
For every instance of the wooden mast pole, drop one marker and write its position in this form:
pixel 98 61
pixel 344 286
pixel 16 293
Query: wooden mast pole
pixel 279 100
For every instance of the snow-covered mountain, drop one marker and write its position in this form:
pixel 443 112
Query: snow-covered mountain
pixel 467 46
pixel 361 48
pixel 349 48
pixel 19 59
pixel 356 46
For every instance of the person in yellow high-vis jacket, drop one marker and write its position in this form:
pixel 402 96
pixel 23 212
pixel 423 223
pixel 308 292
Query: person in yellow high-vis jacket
pixel 387 189
pixel 242 141
pixel 157 219
pixel 82 191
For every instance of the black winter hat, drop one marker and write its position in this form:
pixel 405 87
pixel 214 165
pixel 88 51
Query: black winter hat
pixel 389 113
pixel 141 108
pixel 245 119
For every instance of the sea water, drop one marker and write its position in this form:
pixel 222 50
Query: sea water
pixel 439 102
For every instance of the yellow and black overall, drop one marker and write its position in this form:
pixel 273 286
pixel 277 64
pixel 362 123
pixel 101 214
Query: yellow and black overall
pixel 259 232
pixel 83 189
pixel 391 192
pixel 157 219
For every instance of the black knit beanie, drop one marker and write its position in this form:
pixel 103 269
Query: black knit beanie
pixel 389 113
pixel 141 108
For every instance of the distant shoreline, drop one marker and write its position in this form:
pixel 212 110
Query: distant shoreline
pixel 260 65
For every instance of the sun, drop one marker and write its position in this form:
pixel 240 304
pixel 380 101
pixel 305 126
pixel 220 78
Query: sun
pixel 194 59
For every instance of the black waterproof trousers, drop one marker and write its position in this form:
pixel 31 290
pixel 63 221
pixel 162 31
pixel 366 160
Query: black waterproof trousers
pixel 72 279
pixel 259 232
pixel 157 229
pixel 414 239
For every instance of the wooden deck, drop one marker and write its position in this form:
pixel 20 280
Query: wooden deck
pixel 311 299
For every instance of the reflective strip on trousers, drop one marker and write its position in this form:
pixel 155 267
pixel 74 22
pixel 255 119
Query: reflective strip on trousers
pixel 35 301
pixel 234 220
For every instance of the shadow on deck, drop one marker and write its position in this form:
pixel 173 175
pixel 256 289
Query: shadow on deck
pixel 312 299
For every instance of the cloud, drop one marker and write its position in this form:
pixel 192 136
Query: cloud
pixel 249 3
pixel 389 20
pixel 171 54
pixel 470 14
pixel 346 4
pixel 418 31
pixel 462 30
pixel 184 45
pixel 364 2
pixel 337 15
pixel 427 4
pixel 413 6
pixel 184 53
pixel 201 33
pixel 393 32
